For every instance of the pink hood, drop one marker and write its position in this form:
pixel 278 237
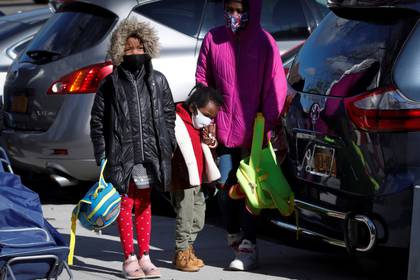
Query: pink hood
pixel 248 71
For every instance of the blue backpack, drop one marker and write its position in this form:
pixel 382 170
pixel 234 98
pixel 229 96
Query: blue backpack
pixel 98 209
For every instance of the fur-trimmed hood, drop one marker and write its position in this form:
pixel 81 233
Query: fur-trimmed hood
pixel 127 28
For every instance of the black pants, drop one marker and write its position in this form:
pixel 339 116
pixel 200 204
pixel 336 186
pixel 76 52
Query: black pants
pixel 234 213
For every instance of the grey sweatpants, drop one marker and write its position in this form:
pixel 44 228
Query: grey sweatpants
pixel 190 207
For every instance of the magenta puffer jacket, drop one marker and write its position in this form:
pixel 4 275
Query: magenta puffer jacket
pixel 248 71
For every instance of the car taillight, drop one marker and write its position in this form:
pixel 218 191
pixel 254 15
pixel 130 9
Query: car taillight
pixel 84 80
pixel 385 109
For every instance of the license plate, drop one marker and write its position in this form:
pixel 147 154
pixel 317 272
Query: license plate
pixel 316 158
pixel 19 104
pixel 319 160
pixel 323 161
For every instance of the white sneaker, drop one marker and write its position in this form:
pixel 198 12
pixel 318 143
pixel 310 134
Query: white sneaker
pixel 247 258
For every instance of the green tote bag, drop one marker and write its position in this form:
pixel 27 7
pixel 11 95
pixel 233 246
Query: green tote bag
pixel 261 179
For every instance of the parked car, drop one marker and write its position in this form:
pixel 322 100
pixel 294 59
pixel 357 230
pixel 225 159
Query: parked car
pixel 49 94
pixel 353 126
pixel 16 31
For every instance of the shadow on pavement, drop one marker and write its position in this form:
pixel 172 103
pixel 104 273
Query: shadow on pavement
pixel 276 260
pixel 81 266
pixel 103 254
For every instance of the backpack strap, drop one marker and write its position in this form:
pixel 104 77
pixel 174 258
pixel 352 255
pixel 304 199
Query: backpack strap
pixel 102 183
pixel 74 216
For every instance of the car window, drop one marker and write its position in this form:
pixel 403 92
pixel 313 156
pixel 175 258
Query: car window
pixel 407 67
pixel 73 29
pixel 213 16
pixel 283 21
pixel 318 10
pixel 181 15
pixel 343 48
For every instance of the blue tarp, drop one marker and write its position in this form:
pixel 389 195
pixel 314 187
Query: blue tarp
pixel 24 231
pixel 19 206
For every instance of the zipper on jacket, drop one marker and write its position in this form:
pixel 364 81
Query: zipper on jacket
pixel 139 109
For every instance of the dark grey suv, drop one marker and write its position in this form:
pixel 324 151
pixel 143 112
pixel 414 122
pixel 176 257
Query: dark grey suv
pixel 353 125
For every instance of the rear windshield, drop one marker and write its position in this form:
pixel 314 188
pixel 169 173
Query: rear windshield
pixel 340 47
pixel 73 29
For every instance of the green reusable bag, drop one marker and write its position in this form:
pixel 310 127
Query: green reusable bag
pixel 261 179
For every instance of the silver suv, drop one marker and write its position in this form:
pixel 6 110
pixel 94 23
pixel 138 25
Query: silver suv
pixel 49 90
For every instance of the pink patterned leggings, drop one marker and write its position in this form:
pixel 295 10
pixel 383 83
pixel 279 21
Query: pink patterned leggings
pixel 140 199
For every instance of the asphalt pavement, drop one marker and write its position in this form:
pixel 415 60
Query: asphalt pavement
pixel 100 256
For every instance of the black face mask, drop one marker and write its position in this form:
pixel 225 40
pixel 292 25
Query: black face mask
pixel 134 62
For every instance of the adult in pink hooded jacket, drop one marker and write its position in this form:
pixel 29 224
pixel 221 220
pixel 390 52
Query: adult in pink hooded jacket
pixel 243 62
pixel 246 67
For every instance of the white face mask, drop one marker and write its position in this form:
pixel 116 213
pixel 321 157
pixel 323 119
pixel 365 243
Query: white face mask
pixel 199 120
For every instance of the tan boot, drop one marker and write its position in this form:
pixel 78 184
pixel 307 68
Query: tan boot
pixel 183 261
pixel 196 261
